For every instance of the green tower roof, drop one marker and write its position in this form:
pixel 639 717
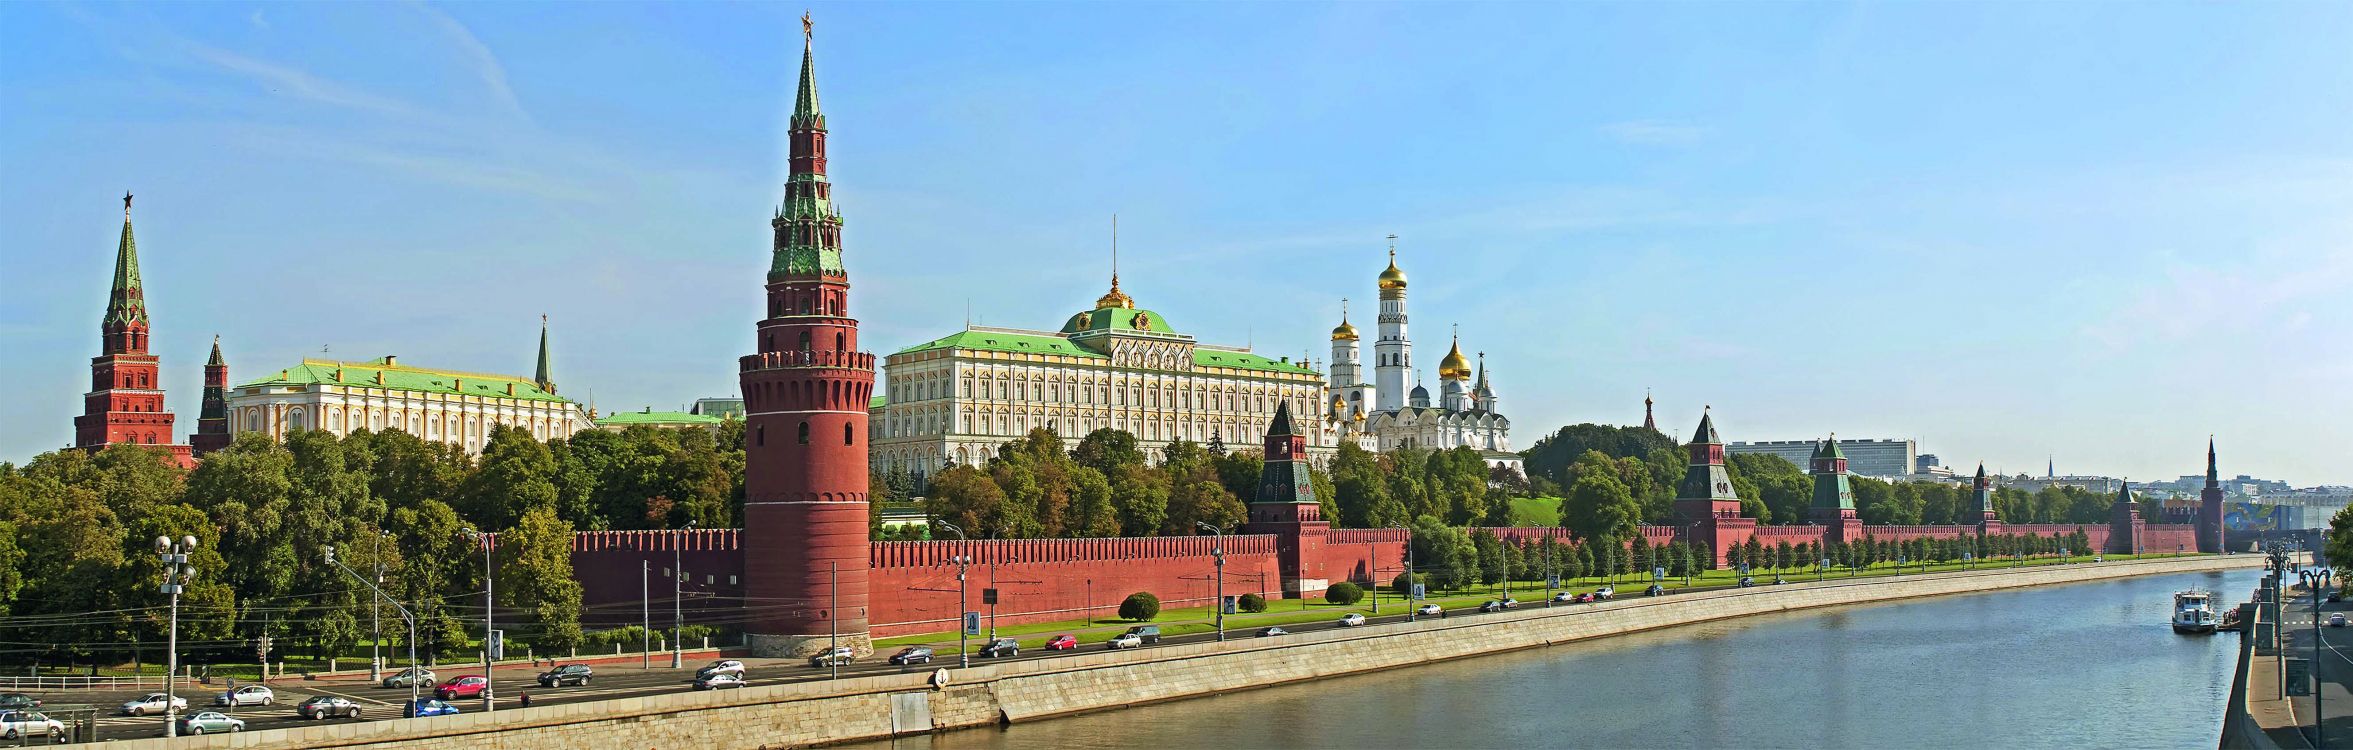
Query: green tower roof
pixel 126 299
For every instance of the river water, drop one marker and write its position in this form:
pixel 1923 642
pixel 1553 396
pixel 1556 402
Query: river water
pixel 2089 665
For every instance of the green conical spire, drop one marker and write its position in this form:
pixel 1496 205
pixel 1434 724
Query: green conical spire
pixel 215 361
pixel 805 114
pixel 545 383
pixel 126 301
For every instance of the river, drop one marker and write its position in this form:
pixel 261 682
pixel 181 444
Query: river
pixel 2089 665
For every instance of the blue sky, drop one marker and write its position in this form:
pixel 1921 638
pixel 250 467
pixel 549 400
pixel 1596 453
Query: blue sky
pixel 2010 230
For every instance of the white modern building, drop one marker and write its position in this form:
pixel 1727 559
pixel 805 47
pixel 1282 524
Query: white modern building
pixel 1884 459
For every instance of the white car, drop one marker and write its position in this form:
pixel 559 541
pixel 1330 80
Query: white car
pixel 1604 593
pixel 1428 609
pixel 2336 620
pixel 1564 596
pixel 1351 620
pixel 1125 640
pixel 1510 603
pixel 152 703
pixel 722 666
pixel 718 681
pixel 17 725
pixel 250 695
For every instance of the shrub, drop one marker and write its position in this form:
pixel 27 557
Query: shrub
pixel 1344 593
pixel 1139 606
pixel 1404 587
pixel 1252 603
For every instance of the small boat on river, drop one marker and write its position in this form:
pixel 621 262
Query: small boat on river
pixel 2193 612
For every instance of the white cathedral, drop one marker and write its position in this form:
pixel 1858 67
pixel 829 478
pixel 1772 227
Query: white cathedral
pixel 1394 410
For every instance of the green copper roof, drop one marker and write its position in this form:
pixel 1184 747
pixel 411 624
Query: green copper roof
pixel 1245 360
pixel 126 300
pixel 404 378
pixel 1707 430
pixel 1030 343
pixel 878 402
pixel 805 112
pixel 651 417
pixel 1118 319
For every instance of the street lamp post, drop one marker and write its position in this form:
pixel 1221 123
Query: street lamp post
pixel 963 654
pixel 489 628
pixel 2320 718
pixel 645 614
pixel 1412 610
pixel 405 616
pixel 1220 552
pixel 376 616
pixel 678 596
pixel 177 572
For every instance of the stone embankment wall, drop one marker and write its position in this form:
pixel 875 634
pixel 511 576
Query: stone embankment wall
pixel 811 713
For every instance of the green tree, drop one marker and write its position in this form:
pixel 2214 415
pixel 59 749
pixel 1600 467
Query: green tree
pixel 1599 505
pixel 535 577
pixel 1342 593
pixel 1108 450
pixel 1139 607
pixel 516 475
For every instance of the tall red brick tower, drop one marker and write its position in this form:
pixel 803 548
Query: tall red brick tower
pixel 806 393
pixel 125 402
pixel 2210 506
pixel 1286 506
pixel 212 421
pixel 1706 505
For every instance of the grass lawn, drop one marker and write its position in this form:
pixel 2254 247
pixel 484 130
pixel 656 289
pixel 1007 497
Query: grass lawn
pixel 1535 511
pixel 1181 621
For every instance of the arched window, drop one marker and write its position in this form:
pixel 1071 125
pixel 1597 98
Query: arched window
pixel 804 433
pixel 804 341
pixel 840 341
pixel 847 434
pixel 767 342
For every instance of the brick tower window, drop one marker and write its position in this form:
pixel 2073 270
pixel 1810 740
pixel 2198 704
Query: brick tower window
pixel 804 433
pixel 847 434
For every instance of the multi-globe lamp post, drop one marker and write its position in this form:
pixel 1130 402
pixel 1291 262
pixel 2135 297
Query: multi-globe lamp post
pixel 177 572
pixel 963 653
pixel 489 633
pixel 414 678
pixel 1220 552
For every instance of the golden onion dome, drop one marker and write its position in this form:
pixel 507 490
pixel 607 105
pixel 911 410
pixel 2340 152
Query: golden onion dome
pixel 1115 297
pixel 1454 366
pixel 1392 278
pixel 1344 332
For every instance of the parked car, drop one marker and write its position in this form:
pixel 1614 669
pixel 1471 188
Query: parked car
pixel 1352 620
pixel 1150 633
pixel 912 655
pixel 728 666
pixel 153 703
pixel 1655 590
pixel 836 656
pixel 1564 596
pixel 18 701
pixel 1587 598
pixel 569 674
pixel 17 725
pixel 1001 647
pixel 1124 640
pixel 468 686
pixel 1747 581
pixel 1271 632
pixel 1510 603
pixel 421 676
pixel 719 681
pixel 1605 593
pixel 211 721
pixel 327 706
pixel 1490 606
pixel 1063 642
pixel 427 707
pixel 1429 609
pixel 250 695
pixel 2336 620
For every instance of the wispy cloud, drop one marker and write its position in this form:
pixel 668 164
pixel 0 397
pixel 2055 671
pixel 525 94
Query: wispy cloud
pixel 478 56
pixel 258 21
pixel 1653 133
pixel 2217 303
pixel 287 81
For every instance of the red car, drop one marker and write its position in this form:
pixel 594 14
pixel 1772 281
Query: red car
pixel 469 686
pixel 1064 642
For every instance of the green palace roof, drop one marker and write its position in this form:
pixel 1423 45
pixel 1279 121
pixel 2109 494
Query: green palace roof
pixel 651 417
pixel 388 374
pixel 1118 319
pixel 1046 344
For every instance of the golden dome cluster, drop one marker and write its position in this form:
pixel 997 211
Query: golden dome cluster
pixel 1392 278
pixel 1454 366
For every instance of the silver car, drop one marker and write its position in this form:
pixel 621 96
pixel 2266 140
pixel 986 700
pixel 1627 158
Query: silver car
pixel 423 677
pixel 1125 640
pixel 17 725
pixel 153 703
pixel 250 695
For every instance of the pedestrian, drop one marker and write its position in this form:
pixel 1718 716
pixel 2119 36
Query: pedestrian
pixel 524 698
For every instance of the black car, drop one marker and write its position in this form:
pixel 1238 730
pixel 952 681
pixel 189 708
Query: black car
pixel 1001 647
pixel 569 674
pixel 912 655
pixel 1655 590
pixel 1150 633
pixel 18 702
pixel 1747 581
pixel 1491 606
pixel 327 706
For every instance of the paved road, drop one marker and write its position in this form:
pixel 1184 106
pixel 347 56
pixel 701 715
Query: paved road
pixel 2335 664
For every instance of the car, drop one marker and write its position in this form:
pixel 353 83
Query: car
pixel 1124 640
pixel 726 666
pixel 18 702
pixel 2336 620
pixel 1272 632
pixel 912 655
pixel 1063 642
pixel 1150 633
pixel 1001 647
pixel 1490 606
pixel 250 695
pixel 1605 593
pixel 569 674
pixel 210 721
pixel 1510 603
pixel 719 681
pixel 1564 596
pixel 1587 598
pixel 327 706
pixel 1429 609
pixel 834 657
pixel 17 725
pixel 2333 596
pixel 421 676
pixel 1655 590
pixel 466 686
pixel 1352 620
pixel 153 703
pixel 2099 558
pixel 1747 581
pixel 427 707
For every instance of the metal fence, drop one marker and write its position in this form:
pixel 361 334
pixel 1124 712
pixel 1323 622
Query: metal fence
pixel 135 682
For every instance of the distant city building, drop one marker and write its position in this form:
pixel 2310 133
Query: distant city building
pixel 647 417
pixel 1392 411
pixel 722 408
pixel 2310 508
pixel 2102 485
pixel 957 398
pixel 458 408
pixel 1886 459
pixel 125 401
